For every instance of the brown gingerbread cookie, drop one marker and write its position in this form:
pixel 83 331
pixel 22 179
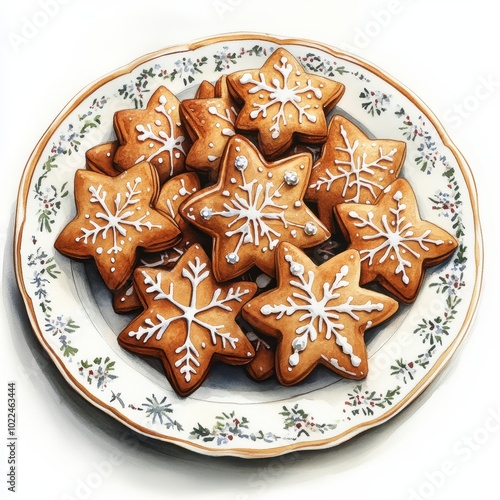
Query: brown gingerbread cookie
pixel 254 205
pixel 188 320
pixel 172 194
pixel 261 367
pixel 154 134
pixel 115 217
pixel 281 102
pixel 352 168
pixel 210 123
pixel 395 244
pixel 205 90
pixel 101 158
pixel 318 314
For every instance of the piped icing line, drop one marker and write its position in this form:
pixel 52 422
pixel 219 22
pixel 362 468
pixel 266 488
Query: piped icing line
pixel 284 90
pixel 395 239
pixel 253 208
pixel 356 171
pixel 168 141
pixel 323 311
pixel 116 216
pixel 190 309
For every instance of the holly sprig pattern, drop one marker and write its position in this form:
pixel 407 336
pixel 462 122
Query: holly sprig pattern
pixel 366 402
pixel 98 371
pixel 229 427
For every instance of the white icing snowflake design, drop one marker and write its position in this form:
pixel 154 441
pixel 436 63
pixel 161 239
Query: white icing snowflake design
pixel 396 235
pixel 288 90
pixel 116 216
pixel 251 212
pixel 190 310
pixel 356 171
pixel 320 315
pixel 165 141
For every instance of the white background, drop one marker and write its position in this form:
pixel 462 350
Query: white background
pixel 445 445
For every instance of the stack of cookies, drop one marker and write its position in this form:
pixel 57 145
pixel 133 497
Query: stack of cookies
pixel 203 218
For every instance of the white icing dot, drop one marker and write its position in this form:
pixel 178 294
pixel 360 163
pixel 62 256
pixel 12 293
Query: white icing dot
pixel 299 344
pixel 291 178
pixel 98 250
pixel 232 258
pixel 310 229
pixel 206 213
pixel 241 162
pixel 294 359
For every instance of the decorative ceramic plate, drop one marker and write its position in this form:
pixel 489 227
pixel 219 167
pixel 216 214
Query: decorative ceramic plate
pixel 231 414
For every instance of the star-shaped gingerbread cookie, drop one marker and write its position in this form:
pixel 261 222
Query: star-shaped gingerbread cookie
pixel 318 314
pixel 172 194
pixel 154 134
pixel 210 123
pixel 395 244
pixel 281 101
pixel 100 158
pixel 352 168
pixel 188 320
pixel 115 217
pixel 254 206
